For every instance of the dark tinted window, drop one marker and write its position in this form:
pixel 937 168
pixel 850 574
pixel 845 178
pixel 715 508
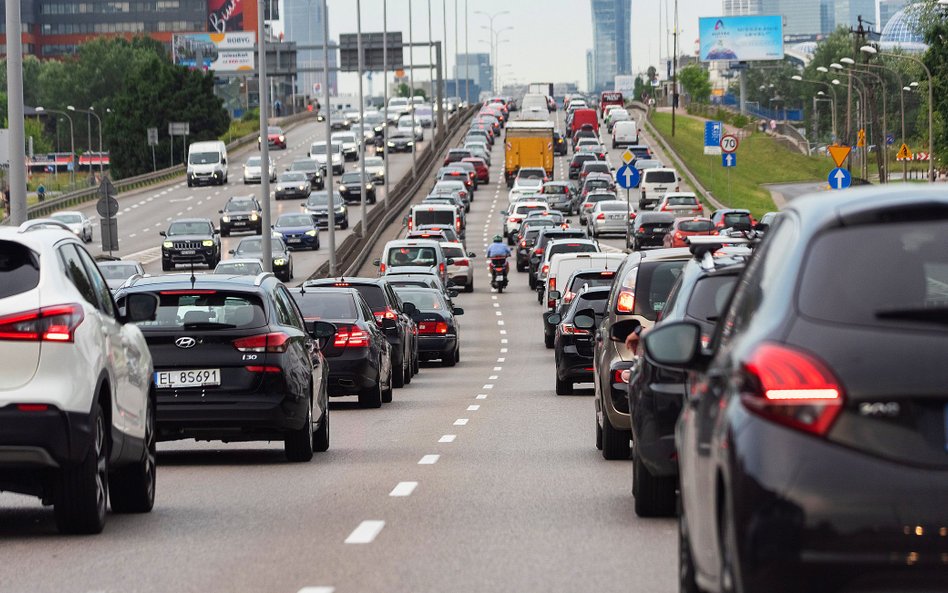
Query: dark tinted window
pixel 189 228
pixel 737 219
pixel 682 201
pixel 654 284
pixel 240 206
pixel 555 189
pixel 593 198
pixel 696 226
pixel 412 256
pixel 660 177
pixel 316 305
pixel 592 281
pixel 19 269
pixel 76 273
pixel 424 300
pixel 212 310
pixel 570 247
pixel 99 285
pixel 434 217
pixel 597 301
pixel 892 273
pixel 453 252
pixel 614 207
pixel 710 296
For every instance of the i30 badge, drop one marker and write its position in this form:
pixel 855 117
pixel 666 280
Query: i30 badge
pixel 185 342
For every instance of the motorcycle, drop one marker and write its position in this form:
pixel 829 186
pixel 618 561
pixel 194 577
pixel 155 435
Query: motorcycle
pixel 499 269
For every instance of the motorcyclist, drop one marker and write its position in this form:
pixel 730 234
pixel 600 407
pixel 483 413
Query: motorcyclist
pixel 498 248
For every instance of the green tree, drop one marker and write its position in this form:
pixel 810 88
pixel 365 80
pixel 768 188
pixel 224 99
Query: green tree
pixel 696 83
pixel 41 142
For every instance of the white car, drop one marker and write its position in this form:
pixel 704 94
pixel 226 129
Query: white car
pixel 77 426
pixel 404 125
pixel 516 215
pixel 77 222
pixel 252 170
pixel 318 151
pixel 461 270
pixel 349 143
pixel 375 167
pixel 117 271
pixel 241 266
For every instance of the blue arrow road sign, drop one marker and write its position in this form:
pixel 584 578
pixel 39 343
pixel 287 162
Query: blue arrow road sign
pixel 840 178
pixel 627 177
pixel 729 160
pixel 890 139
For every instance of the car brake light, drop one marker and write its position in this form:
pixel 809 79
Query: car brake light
pixel 441 268
pixel 523 243
pixel 626 302
pixel 263 369
pixel 457 224
pixel 32 407
pixel 791 387
pixel 679 236
pixel 601 216
pixel 386 313
pixel 410 225
pixel 631 215
pixel 569 329
pixel 546 268
pixel 621 375
pixel 538 251
pixel 462 262
pixel 514 219
pixel 664 208
pixel 350 336
pixel 48 324
pixel 432 327
pixel 276 342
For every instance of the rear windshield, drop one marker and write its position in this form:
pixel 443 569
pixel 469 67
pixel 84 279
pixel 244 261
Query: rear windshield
pixel 19 269
pixel 373 295
pixel 654 283
pixel 592 198
pixel 710 295
pixel 412 256
pixel 434 217
pixel 113 271
pixel 318 305
pixel 614 207
pixel 570 247
pixel 660 177
pixel 696 226
pixel 453 252
pixel 597 301
pixel 596 166
pixel 737 219
pixel 891 274
pixel 424 300
pixel 533 208
pixel 682 201
pixel 216 309
pixel 555 189
pixel 590 281
pixel 564 235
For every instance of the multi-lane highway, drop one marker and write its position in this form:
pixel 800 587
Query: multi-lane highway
pixel 478 478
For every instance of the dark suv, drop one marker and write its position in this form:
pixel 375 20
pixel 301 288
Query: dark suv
pixel 190 241
pixel 385 304
pixel 241 214
pixel 234 361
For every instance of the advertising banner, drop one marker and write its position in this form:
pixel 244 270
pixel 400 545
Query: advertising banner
pixel 218 51
pixel 741 38
pixel 225 16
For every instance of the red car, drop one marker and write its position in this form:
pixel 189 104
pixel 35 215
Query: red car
pixel 276 137
pixel 480 168
pixel 688 227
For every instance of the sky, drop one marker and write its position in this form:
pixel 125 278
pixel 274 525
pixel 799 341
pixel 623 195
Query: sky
pixel 547 43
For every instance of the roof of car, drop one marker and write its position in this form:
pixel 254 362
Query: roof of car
pixel 655 217
pixel 183 281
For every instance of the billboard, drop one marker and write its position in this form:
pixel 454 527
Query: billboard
pixel 741 38
pixel 219 52
pixel 224 16
pixel 625 84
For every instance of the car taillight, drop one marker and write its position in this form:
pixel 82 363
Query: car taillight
pixel 587 205
pixel 263 369
pixel 350 336
pixel 523 243
pixel 601 216
pixel 631 215
pixel 457 224
pixel 568 297
pixel 462 262
pixel 382 268
pixel 441 268
pixel 679 236
pixel 48 324
pixel 272 342
pixel 432 328
pixel 552 280
pixel 621 375
pixel 664 208
pixel 410 225
pixel 538 251
pixel 546 268
pixel 569 329
pixel 791 387
pixel 386 313
pixel 626 302
pixel 514 219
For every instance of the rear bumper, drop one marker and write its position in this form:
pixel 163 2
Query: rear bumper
pixel 436 346
pixel 230 418
pixel 572 366
pixel 350 374
pixel 39 440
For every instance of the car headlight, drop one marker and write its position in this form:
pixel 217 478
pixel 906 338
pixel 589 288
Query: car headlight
pixel 225 218
pixel 391 144
pixel 312 232
pixel 253 216
pixel 340 208
pixel 167 244
pixel 411 143
pixel 282 138
pixel 369 186
pixel 342 187
pixel 279 262
pixel 302 188
pixel 207 243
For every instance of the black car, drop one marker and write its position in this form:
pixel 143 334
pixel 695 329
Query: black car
pixel 560 147
pixel 292 185
pixel 576 163
pixel 234 361
pixel 657 393
pixel 577 282
pixel 350 187
pixel 526 239
pixel 648 229
pixel 812 449
pixel 190 241
pixel 536 253
pixel 398 142
pixel 317 206
pixel 359 356
pixel 439 335
pixel 312 171
pixel 573 346
pixel 252 248
pixel 385 305
pixel 241 214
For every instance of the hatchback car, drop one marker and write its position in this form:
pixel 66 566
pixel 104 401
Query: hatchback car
pixel 299 231
pixel 312 171
pixel 439 333
pixel 573 346
pixel 461 269
pixel 252 248
pixel 240 267
pixel 77 222
pixel 812 454
pixel 683 228
pixel 648 229
pixel 560 195
pixel 253 171
pixel 681 204
pixel 350 187
pixel 317 206
pixel 293 185
pixel 608 216
pixel 241 214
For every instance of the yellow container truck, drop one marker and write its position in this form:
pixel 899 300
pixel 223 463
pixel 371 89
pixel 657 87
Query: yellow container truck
pixel 528 144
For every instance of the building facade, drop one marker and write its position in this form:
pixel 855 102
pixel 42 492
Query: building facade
pixel 741 7
pixel 612 50
pixel 304 24
pixel 887 9
pixel 848 11
pixel 476 67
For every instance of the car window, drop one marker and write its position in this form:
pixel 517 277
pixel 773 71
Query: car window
pixel 76 272
pixel 317 305
pixel 189 228
pixel 292 314
pixel 710 296
pixel 117 271
pixel 412 256
pixel 660 177
pixel 682 201
pixel 424 300
pixel 653 286
pixel 99 285
pixel 19 269
pixel 206 310
pixel 695 226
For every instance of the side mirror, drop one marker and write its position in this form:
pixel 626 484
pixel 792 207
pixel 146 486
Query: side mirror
pixel 220 211
pixel 376 262
pixel 554 295
pixel 409 308
pixel 232 251
pixel 388 324
pixel 140 307
pixel 505 213
pixel 762 227
pixel 620 330
pixel 471 254
pixel 676 344
pixel 554 319
pixel 453 293
pixel 162 233
pixel 585 319
pixel 217 231
pixel 457 310
pixel 307 154
pixel 321 331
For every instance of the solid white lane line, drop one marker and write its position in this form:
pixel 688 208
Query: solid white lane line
pixel 460 422
pixel 366 532
pixel 473 408
pixel 429 460
pixel 481 396
pixel 403 489
pixel 448 438
pixel 317 590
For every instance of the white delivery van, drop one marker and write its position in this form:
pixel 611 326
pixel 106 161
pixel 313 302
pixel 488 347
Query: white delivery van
pixel 207 163
pixel 655 184
pixel 441 214
pixel 625 133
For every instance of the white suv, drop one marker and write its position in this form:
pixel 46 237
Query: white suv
pixel 77 415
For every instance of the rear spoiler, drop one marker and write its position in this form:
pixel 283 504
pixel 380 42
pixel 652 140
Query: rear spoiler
pixel 704 246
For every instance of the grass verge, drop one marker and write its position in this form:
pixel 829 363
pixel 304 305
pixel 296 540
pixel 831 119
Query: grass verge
pixel 759 160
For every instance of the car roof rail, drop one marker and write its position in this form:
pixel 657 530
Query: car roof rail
pixel 703 247
pixel 261 277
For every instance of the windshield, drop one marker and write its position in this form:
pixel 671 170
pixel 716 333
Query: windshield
pixel 117 271
pixel 292 177
pixel 352 177
pixel 189 228
pixel 531 174
pixel 255 245
pixel 306 165
pixel 592 281
pixel 253 161
pixel 67 218
pixel 294 220
pixel 204 158
pixel 412 256
pixel 240 206
pixel 424 300
pixel 216 310
pixel 374 161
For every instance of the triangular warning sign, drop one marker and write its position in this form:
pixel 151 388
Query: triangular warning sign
pixel 839 154
pixel 904 153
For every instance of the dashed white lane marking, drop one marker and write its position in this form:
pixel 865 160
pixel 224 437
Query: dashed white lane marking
pixel 488 386
pixel 503 341
pixel 494 297
pixel 498 313
pixel 473 408
pixel 366 532
pixel 492 378
pixel 496 304
pixel 481 396
pixel 403 489
pixel 448 438
pixel 132 236
pixel 460 422
pixel 500 322
pixel 503 332
pixel 317 590
pixel 429 460
pixel 498 368
pixel 502 359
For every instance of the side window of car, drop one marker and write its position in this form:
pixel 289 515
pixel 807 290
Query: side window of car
pixel 283 313
pixel 76 273
pixel 101 288
pixel 294 318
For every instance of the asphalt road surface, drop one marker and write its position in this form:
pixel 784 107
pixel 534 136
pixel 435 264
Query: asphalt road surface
pixel 476 478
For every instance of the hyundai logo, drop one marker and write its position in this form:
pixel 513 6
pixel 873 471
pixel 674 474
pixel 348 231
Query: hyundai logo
pixel 185 342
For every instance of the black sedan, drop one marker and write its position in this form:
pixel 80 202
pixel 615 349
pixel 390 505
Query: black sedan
pixel 292 185
pixel 317 206
pixel 190 241
pixel 252 248
pixel 573 346
pixel 312 171
pixel 358 354
pixel 398 142
pixel 438 329
pixel 350 187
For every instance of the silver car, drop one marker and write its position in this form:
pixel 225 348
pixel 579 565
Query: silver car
pixel 252 170
pixel 609 216
pixel 77 222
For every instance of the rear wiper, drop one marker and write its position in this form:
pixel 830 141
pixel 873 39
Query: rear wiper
pixel 932 314
pixel 208 325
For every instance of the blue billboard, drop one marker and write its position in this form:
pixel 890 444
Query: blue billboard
pixel 741 38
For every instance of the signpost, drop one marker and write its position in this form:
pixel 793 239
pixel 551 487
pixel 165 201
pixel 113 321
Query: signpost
pixel 905 154
pixel 108 207
pixel 840 178
pixel 728 161
pixel 627 177
pixel 153 142
pixel 728 145
pixel 179 128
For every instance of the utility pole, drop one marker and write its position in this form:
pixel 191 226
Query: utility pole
pixel 385 98
pixel 675 69
pixel 361 141
pixel 17 135
pixel 265 240
pixel 331 221
pixel 411 94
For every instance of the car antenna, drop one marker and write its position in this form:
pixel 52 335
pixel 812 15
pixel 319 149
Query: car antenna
pixel 193 279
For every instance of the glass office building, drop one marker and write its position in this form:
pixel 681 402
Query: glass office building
pixel 612 51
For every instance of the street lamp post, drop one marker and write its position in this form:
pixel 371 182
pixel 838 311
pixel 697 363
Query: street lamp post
pixel 385 98
pixel 361 141
pixel 72 141
pixel 869 49
pixel 902 89
pixel 885 132
pixel 91 113
pixel 832 90
pixel 490 19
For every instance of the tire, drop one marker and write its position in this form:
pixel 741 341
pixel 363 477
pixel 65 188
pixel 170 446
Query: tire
pixel 259 231
pixel 298 444
pixel 457 354
pixel 415 366
pixel 132 489
pixel 564 387
pixel 83 490
pixel 615 442
pixel 344 225
pixel 686 562
pixel 548 342
pixel 635 245
pixel 469 287
pixel 190 183
pixel 398 378
pixel 387 393
pixel 521 268
pixel 500 288
pixel 450 359
pixel 598 436
pixel 371 397
pixel 654 496
pixel 321 436
pixel 407 372
pixel 166 266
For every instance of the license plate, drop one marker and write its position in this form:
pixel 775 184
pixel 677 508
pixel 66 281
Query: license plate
pixel 294 240
pixel 501 277
pixel 616 217
pixel 188 252
pixel 189 378
pixel 239 223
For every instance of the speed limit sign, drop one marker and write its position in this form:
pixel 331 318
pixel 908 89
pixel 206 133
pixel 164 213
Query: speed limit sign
pixel 729 143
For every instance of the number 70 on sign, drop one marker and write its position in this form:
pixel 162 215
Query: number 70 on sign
pixel 729 143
